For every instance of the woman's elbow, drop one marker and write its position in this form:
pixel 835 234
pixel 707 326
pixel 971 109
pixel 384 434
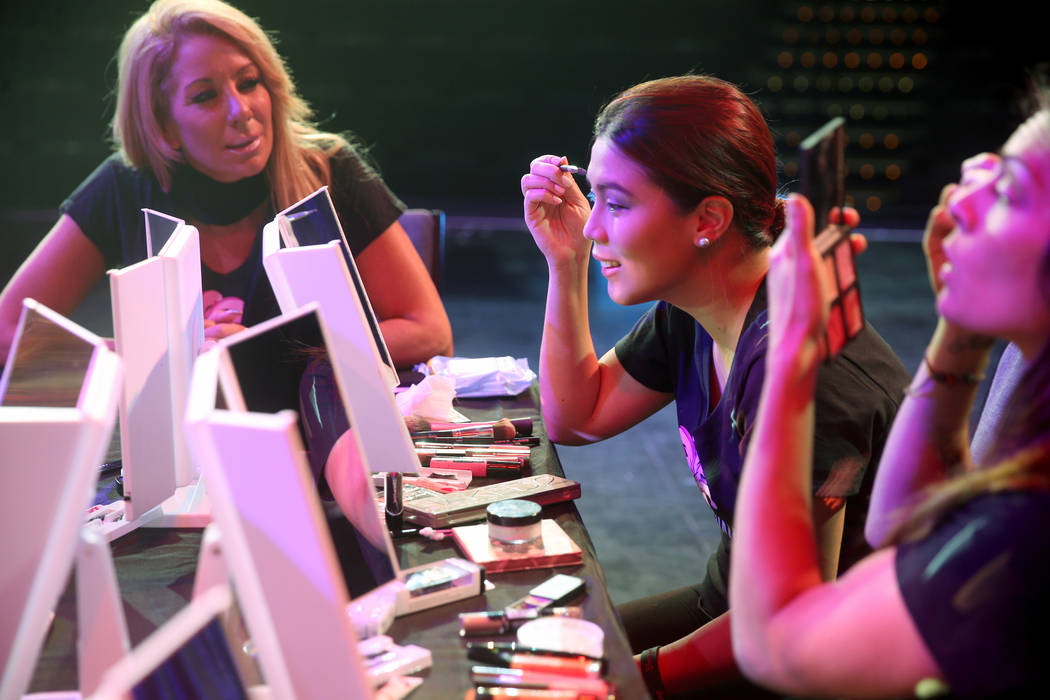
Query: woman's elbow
pixel 562 433
pixel 440 337
pixel 757 660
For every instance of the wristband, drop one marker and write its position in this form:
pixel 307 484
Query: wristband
pixel 651 672
pixel 950 378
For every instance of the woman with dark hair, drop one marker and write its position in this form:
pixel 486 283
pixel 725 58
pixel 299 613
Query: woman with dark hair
pixel 956 596
pixel 209 128
pixel 683 174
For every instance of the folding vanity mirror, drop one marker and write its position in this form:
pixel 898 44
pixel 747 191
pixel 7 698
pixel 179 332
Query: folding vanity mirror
pixel 312 221
pixel 325 273
pixel 244 430
pixel 158 326
pixel 198 653
pixel 58 405
pixel 252 424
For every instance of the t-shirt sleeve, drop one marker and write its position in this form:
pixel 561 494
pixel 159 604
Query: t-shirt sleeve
pixel 976 589
pixel 365 205
pixel 95 206
pixel 857 398
pixel 852 415
pixel 842 436
pixel 645 353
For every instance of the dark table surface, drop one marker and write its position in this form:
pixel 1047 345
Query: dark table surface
pixel 155 569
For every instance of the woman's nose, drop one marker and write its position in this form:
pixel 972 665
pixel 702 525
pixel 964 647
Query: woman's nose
pixel 592 228
pixel 239 110
pixel 966 201
pixel 976 192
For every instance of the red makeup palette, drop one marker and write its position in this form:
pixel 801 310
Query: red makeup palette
pixel 841 289
pixel 822 176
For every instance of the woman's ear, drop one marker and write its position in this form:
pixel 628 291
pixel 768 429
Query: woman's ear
pixel 714 217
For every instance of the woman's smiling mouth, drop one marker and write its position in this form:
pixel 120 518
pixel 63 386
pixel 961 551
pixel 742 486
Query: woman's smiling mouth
pixel 243 147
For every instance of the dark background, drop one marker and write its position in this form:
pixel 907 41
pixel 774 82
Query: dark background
pixel 454 97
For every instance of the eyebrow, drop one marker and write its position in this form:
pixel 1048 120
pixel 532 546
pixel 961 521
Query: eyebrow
pixel 605 186
pixel 208 79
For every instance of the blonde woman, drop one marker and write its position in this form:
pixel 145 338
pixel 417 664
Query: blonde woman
pixel 209 128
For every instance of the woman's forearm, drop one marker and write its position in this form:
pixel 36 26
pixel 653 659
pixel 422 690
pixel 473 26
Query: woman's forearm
pixel 569 372
pixel 701 660
pixel 774 556
pixel 412 341
pixel 930 434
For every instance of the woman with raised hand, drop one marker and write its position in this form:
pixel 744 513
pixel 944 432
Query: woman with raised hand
pixel 209 128
pixel 955 600
pixel 683 175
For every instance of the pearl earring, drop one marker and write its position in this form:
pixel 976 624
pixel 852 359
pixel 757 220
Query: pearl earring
pixel 703 242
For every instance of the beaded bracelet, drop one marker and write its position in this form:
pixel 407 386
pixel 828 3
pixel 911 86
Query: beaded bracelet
pixel 651 672
pixel 949 378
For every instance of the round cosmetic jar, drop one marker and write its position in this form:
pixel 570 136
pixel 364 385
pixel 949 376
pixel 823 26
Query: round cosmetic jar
pixel 515 521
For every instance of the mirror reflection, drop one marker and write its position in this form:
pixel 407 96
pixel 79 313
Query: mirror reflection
pixel 288 367
pixel 47 365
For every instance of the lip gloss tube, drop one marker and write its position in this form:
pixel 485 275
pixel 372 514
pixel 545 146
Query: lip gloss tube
pixel 496 622
pixel 515 648
pixel 578 666
pixel 429 451
pixel 517 678
pixel 484 692
pixel 480 466
pixel 507 448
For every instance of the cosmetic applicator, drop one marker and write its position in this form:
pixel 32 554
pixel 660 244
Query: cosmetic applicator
pixel 502 429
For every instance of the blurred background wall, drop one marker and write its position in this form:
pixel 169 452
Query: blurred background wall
pixel 454 97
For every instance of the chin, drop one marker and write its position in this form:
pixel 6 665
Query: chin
pixel 627 298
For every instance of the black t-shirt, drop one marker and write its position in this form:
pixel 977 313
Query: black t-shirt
pixel 857 397
pixel 977 586
pixel 107 207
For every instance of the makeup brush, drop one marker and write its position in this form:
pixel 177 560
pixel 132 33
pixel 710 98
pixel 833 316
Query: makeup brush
pixel 502 429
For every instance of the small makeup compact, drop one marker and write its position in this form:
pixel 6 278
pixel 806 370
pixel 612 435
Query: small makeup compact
pixel 841 289
pixel 514 521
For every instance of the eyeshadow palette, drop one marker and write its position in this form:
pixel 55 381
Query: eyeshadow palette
pixel 822 177
pixel 841 289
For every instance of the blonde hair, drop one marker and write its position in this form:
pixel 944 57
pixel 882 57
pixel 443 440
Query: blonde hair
pixel 299 163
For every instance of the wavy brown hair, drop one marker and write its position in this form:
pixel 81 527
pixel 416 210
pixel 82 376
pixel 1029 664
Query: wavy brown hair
pixel 299 163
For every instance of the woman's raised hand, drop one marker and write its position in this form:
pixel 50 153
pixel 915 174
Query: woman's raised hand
pixel 938 225
pixel 798 312
pixel 555 210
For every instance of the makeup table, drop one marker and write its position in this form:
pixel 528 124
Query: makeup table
pixel 155 569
